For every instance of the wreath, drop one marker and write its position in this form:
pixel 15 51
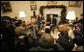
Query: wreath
pixel 63 12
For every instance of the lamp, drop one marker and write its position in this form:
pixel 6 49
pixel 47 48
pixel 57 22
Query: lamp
pixel 71 16
pixel 22 14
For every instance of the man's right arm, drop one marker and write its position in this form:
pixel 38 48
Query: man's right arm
pixel 77 22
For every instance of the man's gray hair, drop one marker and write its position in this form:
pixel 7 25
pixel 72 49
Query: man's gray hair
pixel 46 41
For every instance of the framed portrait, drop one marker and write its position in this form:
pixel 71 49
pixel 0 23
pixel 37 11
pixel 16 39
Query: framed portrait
pixel 74 4
pixel 33 7
pixel 6 7
pixel 52 2
pixel 32 2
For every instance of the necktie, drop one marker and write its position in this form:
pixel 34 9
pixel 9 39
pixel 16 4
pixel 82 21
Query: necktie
pixel 51 20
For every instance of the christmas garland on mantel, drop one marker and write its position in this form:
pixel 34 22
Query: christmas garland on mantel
pixel 63 12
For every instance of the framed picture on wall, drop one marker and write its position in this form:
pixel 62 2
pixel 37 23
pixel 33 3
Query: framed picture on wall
pixel 52 2
pixel 33 7
pixel 74 3
pixel 32 2
pixel 6 7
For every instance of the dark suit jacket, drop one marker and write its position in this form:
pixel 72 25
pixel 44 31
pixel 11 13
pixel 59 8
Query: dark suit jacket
pixel 53 21
pixel 38 48
pixel 78 40
pixel 79 21
pixel 39 20
pixel 67 45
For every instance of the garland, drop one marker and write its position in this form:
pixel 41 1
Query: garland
pixel 63 12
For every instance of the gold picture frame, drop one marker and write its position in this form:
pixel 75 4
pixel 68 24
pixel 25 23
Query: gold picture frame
pixel 74 4
pixel 33 7
pixel 52 2
pixel 6 7
pixel 33 2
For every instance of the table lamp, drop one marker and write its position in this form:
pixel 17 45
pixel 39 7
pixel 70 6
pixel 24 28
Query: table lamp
pixel 71 16
pixel 22 14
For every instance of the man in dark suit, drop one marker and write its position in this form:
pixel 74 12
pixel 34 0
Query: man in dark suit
pixel 8 33
pixel 39 21
pixel 52 22
pixel 65 41
pixel 80 24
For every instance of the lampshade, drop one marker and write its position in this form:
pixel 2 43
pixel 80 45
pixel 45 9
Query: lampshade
pixel 22 14
pixel 71 15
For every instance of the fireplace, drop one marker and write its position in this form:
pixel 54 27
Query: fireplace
pixel 55 11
